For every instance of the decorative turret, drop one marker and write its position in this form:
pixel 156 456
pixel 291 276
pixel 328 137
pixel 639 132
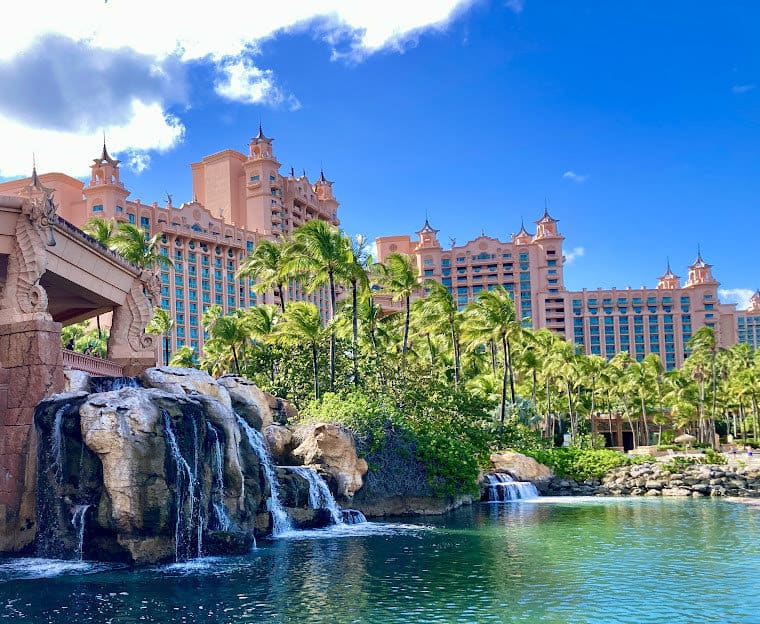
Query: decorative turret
pixel 523 237
pixel 323 188
pixel 105 194
pixel 105 170
pixel 546 226
pixel 427 237
pixel 261 147
pixel 699 272
pixel 754 302
pixel 669 280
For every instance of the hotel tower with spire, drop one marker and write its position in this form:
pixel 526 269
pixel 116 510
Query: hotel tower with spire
pixel 238 200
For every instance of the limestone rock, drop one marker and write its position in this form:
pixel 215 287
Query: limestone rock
pixel 189 381
pixel 123 429
pixel 331 450
pixel 248 400
pixel 76 380
pixel 520 467
pixel 280 442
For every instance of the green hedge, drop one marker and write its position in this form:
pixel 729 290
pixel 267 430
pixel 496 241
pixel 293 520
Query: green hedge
pixel 582 464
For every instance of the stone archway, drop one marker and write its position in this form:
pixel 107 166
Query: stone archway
pixel 52 273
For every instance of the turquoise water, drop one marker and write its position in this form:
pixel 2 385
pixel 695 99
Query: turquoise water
pixel 599 560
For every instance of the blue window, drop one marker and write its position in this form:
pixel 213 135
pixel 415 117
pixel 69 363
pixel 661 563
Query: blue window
pixel 446 262
pixel 145 223
pixel 97 208
pixel 119 209
pixel 428 272
pixel 131 218
pixel 255 178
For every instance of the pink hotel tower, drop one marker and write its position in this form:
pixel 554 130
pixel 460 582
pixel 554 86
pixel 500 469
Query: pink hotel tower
pixel 238 200
pixel 241 199
pixel 603 322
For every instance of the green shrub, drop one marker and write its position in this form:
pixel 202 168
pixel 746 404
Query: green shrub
pixel 582 464
pixel 713 457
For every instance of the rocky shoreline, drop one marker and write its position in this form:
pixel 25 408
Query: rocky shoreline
pixel 659 479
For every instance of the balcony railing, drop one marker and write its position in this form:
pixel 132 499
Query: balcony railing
pixel 90 364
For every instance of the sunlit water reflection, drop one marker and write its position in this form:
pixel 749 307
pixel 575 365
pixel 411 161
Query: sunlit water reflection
pixel 584 560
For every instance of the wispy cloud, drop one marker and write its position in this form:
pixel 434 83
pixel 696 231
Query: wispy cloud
pixel 575 177
pixel 739 296
pixel 89 60
pixel 743 88
pixel 575 253
pixel 242 81
pixel 516 5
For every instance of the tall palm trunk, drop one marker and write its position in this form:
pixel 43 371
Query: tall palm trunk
pixel 235 358
pixel 315 369
pixel 644 419
pixel 504 377
pixel 573 424
pixel 355 328
pixel 332 331
pixel 455 346
pixel 282 297
pixel 508 357
pixel 407 321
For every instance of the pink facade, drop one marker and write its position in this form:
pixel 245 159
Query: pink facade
pixel 237 201
pixel 604 322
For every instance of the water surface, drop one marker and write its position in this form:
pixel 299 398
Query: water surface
pixel 587 560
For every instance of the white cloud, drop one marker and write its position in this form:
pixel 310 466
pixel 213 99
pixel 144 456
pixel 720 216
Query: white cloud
pixel 242 81
pixel 743 88
pixel 739 296
pixel 516 5
pixel 575 253
pixel 146 128
pixel 171 33
pixel 575 177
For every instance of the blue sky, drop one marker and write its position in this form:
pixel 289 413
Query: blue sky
pixel 638 121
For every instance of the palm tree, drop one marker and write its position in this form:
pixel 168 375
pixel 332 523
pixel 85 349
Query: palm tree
pixel 133 245
pixel 162 324
pixel 398 275
pixel 356 272
pixel 492 317
pixel 266 266
pixel 102 231
pixel 261 325
pixel 320 254
pixel 229 331
pixel 701 365
pixel 442 316
pixel 302 325
pixel 184 357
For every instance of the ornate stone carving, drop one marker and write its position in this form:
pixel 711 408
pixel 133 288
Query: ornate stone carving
pixel 129 321
pixel 23 294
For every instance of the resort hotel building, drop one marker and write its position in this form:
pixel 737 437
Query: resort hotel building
pixel 238 200
pixel 657 320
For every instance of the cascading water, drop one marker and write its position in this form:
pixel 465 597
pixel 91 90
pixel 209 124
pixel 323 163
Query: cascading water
pixel 280 520
pixel 57 435
pixel 187 486
pixel 353 516
pixel 319 494
pixel 503 488
pixel 222 518
pixel 109 384
pixel 79 520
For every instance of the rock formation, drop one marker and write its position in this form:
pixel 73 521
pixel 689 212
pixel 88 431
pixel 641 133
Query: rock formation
pixel 331 450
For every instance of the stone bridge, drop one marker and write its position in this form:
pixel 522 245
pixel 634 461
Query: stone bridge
pixel 52 274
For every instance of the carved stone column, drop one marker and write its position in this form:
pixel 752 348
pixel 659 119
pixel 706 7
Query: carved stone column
pixel 128 344
pixel 31 360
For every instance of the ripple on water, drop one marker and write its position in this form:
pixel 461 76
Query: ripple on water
pixel 33 568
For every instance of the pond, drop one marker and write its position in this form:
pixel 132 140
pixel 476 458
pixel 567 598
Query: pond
pixel 550 560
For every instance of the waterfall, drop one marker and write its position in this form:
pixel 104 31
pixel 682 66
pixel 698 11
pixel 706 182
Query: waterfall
pixel 57 442
pixel 79 520
pixel 223 520
pixel 187 486
pixel 502 488
pixel 108 384
pixel 353 516
pixel 319 494
pixel 280 520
